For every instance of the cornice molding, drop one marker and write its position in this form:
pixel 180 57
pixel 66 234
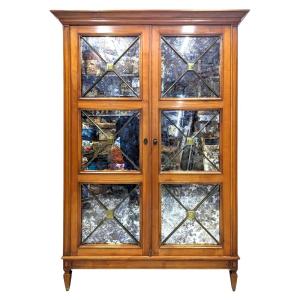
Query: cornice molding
pixel 150 17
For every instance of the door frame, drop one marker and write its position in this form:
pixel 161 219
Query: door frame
pixel 77 176
pixel 222 103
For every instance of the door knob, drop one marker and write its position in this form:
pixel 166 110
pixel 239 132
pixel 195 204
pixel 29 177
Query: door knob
pixel 155 141
pixel 145 141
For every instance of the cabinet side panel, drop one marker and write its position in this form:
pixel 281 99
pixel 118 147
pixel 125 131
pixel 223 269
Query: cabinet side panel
pixel 234 81
pixel 67 143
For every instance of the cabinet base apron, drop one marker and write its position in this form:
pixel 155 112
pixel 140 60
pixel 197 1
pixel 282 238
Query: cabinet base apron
pixel 150 262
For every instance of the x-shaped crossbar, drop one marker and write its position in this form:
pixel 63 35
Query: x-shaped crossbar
pixel 100 150
pixel 110 213
pixel 190 66
pixel 190 213
pixel 109 66
pixel 191 145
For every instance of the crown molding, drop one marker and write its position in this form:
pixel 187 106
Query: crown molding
pixel 150 17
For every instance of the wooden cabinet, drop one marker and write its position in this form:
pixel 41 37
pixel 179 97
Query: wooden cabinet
pixel 150 139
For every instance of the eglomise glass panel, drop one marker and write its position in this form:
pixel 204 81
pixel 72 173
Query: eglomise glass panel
pixel 190 66
pixel 110 214
pixel 110 140
pixel 110 66
pixel 190 214
pixel 190 140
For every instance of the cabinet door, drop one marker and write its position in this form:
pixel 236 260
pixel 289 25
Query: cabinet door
pixel 192 157
pixel 109 104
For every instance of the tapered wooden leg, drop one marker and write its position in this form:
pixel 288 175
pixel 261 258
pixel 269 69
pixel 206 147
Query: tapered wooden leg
pixel 233 267
pixel 67 275
pixel 233 278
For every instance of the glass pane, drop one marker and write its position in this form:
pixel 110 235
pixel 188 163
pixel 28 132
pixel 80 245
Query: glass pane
pixel 190 140
pixel 190 66
pixel 110 66
pixel 110 214
pixel 110 140
pixel 190 214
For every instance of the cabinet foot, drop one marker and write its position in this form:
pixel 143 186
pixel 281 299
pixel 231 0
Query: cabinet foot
pixel 67 276
pixel 233 278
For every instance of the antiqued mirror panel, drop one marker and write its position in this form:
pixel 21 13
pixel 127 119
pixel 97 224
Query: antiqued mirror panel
pixel 190 140
pixel 110 66
pixel 190 214
pixel 190 66
pixel 110 214
pixel 110 140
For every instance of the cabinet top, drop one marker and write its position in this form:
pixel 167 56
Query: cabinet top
pixel 150 17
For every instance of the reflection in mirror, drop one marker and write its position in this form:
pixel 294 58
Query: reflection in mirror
pixel 190 66
pixel 190 140
pixel 110 66
pixel 190 214
pixel 110 140
pixel 110 213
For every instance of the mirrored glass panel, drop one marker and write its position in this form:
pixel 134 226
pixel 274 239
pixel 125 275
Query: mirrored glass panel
pixel 190 140
pixel 110 66
pixel 190 66
pixel 110 213
pixel 190 214
pixel 110 140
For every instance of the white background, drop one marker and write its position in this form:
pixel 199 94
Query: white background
pixel 32 158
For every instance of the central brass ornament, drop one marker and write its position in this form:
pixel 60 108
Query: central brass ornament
pixel 191 214
pixel 110 214
pixel 189 141
pixel 110 140
pixel 109 67
pixel 191 66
